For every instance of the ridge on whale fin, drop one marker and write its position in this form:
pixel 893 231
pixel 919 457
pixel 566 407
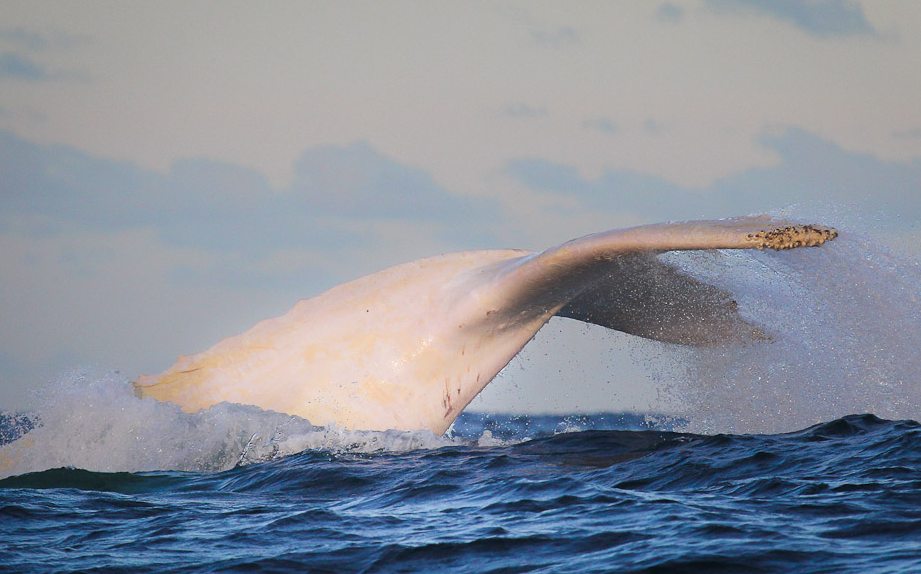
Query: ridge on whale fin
pixel 410 346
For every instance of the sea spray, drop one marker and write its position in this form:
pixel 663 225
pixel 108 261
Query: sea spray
pixel 93 421
pixel 844 324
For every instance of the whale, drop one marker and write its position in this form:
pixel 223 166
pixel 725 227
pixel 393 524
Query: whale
pixel 409 347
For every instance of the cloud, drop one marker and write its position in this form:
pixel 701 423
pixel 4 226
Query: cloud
pixel 18 64
pixel 33 41
pixel 822 18
pixel 557 37
pixel 30 40
pixel 605 125
pixel 19 67
pixel 357 181
pixel 522 110
pixel 810 169
pixel 909 134
pixel 223 207
pixel 670 13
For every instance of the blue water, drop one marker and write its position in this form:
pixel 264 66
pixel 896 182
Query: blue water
pixel 842 496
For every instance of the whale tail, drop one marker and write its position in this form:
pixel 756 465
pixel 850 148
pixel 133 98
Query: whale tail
pixel 409 347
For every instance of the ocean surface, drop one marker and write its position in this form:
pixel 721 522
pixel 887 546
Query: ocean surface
pixel 539 494
pixel 799 453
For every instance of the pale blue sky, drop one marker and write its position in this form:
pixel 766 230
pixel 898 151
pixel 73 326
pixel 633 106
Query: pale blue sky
pixel 172 172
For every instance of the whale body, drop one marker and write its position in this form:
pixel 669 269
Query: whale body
pixel 409 347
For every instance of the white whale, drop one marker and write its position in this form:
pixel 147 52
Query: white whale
pixel 409 347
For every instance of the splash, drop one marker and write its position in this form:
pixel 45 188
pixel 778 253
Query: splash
pixel 845 334
pixel 93 421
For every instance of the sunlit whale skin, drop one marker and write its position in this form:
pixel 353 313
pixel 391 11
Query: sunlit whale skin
pixel 409 347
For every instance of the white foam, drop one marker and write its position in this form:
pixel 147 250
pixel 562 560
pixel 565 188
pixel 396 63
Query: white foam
pixel 93 421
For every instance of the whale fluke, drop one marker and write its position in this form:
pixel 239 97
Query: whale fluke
pixel 410 346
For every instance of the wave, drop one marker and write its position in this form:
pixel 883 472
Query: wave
pixel 840 496
pixel 853 453
pixel 93 421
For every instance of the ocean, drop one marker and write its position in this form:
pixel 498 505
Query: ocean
pixel 551 495
pixel 797 454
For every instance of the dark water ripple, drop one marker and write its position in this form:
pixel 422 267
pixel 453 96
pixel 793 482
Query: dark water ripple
pixel 844 496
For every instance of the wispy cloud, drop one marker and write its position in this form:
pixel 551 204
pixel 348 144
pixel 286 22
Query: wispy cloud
pixel 21 67
pixel 670 13
pixel 229 208
pixel 910 134
pixel 522 110
pixel 34 41
pixel 822 18
pixel 356 181
pixel 20 37
pixel 810 169
pixel 558 37
pixel 18 61
pixel 605 125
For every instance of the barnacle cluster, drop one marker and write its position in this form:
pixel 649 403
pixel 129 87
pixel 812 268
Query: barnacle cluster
pixel 792 236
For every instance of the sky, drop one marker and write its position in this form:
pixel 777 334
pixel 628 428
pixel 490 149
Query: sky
pixel 171 172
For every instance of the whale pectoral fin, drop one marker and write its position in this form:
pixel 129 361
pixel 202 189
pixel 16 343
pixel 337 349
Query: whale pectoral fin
pixel 644 296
